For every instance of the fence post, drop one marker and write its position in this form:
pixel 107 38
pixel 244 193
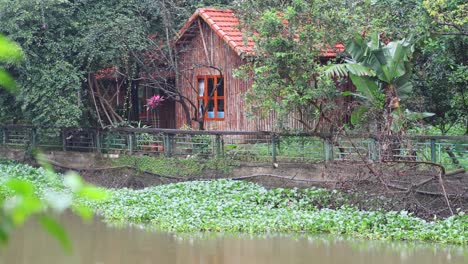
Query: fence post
pixel 273 147
pixel 30 145
pixel 33 138
pixel 4 138
pixel 219 146
pixel 131 137
pixel 433 150
pixel 64 139
pixel 98 141
pixel 373 149
pixel 328 150
pixel 167 144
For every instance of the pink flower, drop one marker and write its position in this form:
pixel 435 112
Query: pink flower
pixel 154 101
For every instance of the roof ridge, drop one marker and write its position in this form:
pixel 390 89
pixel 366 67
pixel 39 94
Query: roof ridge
pixel 230 32
pixel 214 17
pixel 215 9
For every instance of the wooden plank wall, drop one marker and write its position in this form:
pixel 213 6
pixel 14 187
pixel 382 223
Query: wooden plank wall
pixel 222 56
pixel 191 61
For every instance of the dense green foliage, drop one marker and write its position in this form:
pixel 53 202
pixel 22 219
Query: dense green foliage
pixel 442 77
pixel 236 206
pixel 65 40
pixel 286 70
pixel 286 67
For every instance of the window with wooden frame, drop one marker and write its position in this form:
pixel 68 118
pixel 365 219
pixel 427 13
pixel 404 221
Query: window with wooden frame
pixel 211 97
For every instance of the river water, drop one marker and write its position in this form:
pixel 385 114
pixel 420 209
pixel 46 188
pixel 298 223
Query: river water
pixel 98 243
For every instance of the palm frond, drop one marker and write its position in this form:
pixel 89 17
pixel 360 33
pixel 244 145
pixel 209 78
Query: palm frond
pixel 336 70
pixel 341 70
pixel 360 70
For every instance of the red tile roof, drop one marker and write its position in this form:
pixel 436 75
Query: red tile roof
pixel 331 53
pixel 226 25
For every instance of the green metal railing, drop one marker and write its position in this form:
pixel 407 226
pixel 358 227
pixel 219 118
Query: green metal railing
pixel 450 151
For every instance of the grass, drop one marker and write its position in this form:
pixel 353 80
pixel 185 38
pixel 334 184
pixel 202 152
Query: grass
pixel 190 167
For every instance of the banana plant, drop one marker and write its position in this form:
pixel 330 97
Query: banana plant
pixel 380 72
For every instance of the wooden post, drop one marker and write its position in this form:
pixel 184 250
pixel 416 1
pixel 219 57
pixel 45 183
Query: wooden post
pixel 168 144
pixel 131 137
pixel 30 144
pixel 33 138
pixel 433 150
pixel 219 147
pixel 373 150
pixel 64 139
pixel 98 144
pixel 328 150
pixel 273 146
pixel 4 131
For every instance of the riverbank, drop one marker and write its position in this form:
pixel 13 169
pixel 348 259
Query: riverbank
pixel 237 206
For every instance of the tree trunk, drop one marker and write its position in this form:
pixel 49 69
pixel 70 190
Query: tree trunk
pixel 389 138
pixel 186 109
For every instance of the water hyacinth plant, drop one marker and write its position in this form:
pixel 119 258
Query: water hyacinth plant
pixel 237 206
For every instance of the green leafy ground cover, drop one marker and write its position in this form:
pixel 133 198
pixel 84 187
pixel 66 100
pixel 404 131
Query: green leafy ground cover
pixel 236 206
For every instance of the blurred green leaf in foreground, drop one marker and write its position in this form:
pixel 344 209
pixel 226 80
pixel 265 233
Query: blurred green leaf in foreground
pixel 10 52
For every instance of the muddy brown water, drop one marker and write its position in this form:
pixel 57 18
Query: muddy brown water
pixel 98 243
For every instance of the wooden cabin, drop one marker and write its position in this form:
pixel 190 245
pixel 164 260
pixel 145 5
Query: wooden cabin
pixel 210 47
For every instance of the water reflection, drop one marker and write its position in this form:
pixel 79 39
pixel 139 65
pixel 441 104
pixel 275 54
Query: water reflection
pixel 100 244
